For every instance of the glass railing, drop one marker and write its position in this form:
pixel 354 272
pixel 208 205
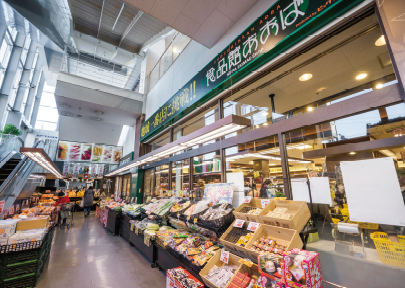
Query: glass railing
pixel 12 186
pixel 13 143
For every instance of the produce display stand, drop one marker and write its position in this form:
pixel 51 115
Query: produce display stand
pixel 231 245
pixel 286 237
pixel 215 260
pixel 164 260
pixel 138 240
pixel 125 226
pixel 254 203
pixel 113 221
pixel 299 210
pixel 22 264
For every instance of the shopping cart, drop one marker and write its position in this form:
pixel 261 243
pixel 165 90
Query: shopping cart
pixel 66 212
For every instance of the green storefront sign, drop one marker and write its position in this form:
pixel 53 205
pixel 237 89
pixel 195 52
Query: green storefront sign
pixel 127 158
pixel 283 25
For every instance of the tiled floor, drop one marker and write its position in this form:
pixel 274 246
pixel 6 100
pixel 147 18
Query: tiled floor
pixel 89 256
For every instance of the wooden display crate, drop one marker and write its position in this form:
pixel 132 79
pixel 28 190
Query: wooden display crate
pixel 255 203
pixel 286 237
pixel 252 270
pixel 299 209
pixel 232 247
pixel 215 260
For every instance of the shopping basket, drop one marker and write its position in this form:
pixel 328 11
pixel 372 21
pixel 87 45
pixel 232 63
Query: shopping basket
pixel 391 253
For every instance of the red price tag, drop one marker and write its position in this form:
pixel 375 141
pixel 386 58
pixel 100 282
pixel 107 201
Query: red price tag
pixel 253 226
pixel 247 199
pixel 238 223
pixel 265 202
pixel 224 256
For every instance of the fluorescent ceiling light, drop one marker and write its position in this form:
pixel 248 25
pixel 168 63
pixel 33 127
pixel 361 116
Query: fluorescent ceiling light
pixel 310 108
pixel 40 157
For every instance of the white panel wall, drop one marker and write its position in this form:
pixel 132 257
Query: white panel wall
pixel 73 129
pixel 195 57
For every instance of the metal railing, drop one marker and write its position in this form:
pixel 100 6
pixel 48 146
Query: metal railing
pixel 14 183
pixel 13 143
pixel 171 53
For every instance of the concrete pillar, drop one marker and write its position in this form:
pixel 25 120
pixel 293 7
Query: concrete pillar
pixel 24 87
pixel 31 94
pixel 37 101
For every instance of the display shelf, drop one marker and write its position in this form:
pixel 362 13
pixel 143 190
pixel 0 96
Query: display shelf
pixel 254 203
pixel 139 242
pixel 298 209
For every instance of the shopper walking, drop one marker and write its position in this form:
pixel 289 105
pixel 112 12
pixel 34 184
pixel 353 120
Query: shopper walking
pixel 88 200
pixel 63 199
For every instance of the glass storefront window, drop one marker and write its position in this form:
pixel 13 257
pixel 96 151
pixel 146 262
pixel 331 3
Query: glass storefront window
pixel 162 180
pixel 259 163
pixel 160 142
pixel 203 119
pixel 149 178
pixel 207 170
pixel 343 67
pixel 181 178
pixel 312 146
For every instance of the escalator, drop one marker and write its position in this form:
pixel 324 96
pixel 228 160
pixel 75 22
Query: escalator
pixel 15 169
pixel 7 168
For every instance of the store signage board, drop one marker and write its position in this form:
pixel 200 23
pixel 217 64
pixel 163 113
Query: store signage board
pixel 238 223
pixel 320 190
pixel 283 25
pixel 89 152
pixel 220 191
pixel 300 189
pixel 373 192
pixel 253 226
pixel 224 256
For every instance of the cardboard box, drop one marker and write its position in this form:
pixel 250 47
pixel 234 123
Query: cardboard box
pixel 302 269
pixel 27 236
pixel 3 241
pixel 33 223
pixel 254 203
pixel 215 260
pixel 7 228
pixel 299 210
pixel 171 282
pixel 252 271
pixel 287 237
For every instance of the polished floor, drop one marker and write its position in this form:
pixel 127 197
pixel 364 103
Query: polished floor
pixel 88 256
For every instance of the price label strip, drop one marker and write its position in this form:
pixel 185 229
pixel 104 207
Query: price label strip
pixel 224 256
pixel 238 223
pixel 265 202
pixel 253 226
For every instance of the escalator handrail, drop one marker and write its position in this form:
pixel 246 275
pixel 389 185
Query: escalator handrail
pixel 12 139
pixel 17 169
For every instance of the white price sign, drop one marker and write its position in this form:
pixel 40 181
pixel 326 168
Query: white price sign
pixel 265 202
pixel 247 199
pixel 224 256
pixel 253 226
pixel 238 223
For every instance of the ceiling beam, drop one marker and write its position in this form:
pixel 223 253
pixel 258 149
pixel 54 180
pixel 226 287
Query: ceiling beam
pixel 101 16
pixel 119 14
pixel 133 22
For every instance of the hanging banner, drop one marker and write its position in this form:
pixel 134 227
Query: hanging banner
pixel 281 23
pixel 100 170
pixel 76 169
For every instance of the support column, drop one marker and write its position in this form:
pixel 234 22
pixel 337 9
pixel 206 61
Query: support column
pixel 37 101
pixel 31 94
pixel 24 87
pixel 284 166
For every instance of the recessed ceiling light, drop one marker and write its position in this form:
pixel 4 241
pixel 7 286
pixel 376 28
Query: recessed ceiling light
pixel 361 76
pixel 352 153
pixel 264 123
pixel 305 77
pixel 63 113
pixel 99 112
pixel 380 41
pixel 96 118
pixel 310 108
pixel 63 105
pixel 265 113
pixel 379 86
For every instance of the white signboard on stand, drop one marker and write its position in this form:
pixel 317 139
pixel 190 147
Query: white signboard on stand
pixel 373 192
